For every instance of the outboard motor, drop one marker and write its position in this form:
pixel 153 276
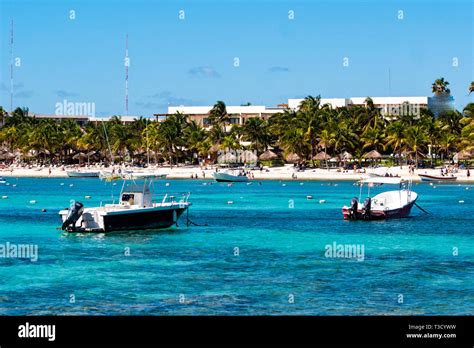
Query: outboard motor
pixel 75 212
pixel 366 208
pixel 353 208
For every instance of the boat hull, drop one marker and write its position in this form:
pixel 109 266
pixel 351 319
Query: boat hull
pixel 142 220
pixel 83 174
pixel 224 177
pixel 398 213
pixel 425 177
pixel 125 220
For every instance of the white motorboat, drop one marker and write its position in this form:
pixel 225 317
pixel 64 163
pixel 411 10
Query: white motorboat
pixel 385 205
pixel 82 174
pixel 136 210
pixel 2 180
pixel 230 176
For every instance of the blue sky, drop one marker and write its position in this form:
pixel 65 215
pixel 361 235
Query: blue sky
pixel 191 61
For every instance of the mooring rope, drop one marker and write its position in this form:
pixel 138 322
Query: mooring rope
pixel 189 222
pixel 423 210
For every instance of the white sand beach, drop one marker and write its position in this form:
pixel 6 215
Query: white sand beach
pixel 288 172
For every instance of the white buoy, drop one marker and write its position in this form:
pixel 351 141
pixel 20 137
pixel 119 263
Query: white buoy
pixel 14 185
pixel 4 197
pixel 87 197
pixel 467 188
pixel 283 185
pixel 321 201
pixel 431 184
pixel 61 184
pixel 33 201
pixel 434 186
pixel 167 184
pixel 71 185
pixel 230 202
pixel 301 183
pixel 309 197
pixel 249 183
pixel 461 201
pixel 8 184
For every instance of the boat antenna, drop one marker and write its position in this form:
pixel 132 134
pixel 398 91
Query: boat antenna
pixel 127 63
pixel 11 67
pixel 147 144
pixel 107 140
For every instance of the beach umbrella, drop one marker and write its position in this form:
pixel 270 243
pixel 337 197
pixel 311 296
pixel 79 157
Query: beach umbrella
pixel 321 156
pixel 293 158
pixel 346 156
pixel 248 157
pixel 79 155
pixel 374 154
pixel 7 155
pixel 464 155
pixel 227 158
pixel 268 156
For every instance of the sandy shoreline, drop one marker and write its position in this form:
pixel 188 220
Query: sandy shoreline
pixel 279 173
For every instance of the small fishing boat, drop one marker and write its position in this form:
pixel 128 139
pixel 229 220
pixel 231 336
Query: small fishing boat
pixel 230 176
pixel 385 205
pixel 145 175
pixel 82 174
pixel 426 177
pixel 2 180
pixel 136 210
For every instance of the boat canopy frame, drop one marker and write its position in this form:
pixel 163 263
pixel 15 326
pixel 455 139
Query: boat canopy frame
pixel 403 183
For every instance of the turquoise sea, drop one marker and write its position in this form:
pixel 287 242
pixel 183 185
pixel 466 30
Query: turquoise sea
pixel 279 268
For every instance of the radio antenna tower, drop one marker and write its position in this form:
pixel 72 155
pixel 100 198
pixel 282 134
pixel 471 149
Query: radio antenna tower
pixel 11 67
pixel 127 63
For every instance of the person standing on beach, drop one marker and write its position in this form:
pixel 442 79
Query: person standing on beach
pixel 468 173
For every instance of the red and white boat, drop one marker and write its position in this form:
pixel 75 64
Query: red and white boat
pixel 385 205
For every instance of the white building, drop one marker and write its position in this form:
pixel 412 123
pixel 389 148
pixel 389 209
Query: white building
pixel 239 114
pixel 387 105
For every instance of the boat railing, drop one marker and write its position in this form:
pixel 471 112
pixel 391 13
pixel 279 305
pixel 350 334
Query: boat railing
pixel 180 197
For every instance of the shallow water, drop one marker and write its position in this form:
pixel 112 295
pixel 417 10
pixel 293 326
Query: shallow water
pixel 281 267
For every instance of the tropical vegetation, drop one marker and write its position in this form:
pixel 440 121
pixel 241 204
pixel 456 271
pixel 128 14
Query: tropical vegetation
pixel 313 128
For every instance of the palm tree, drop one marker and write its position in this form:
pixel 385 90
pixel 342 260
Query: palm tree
pixel 256 130
pixel 372 138
pixel 471 87
pixel 467 135
pixel 440 86
pixel 325 139
pixel 194 136
pixel 416 140
pixel 218 115
pixel 396 138
pixel 447 141
pixel 3 115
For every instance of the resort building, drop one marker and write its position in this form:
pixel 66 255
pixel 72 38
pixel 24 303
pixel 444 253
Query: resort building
pixel 388 106
pixel 82 119
pixel 237 114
